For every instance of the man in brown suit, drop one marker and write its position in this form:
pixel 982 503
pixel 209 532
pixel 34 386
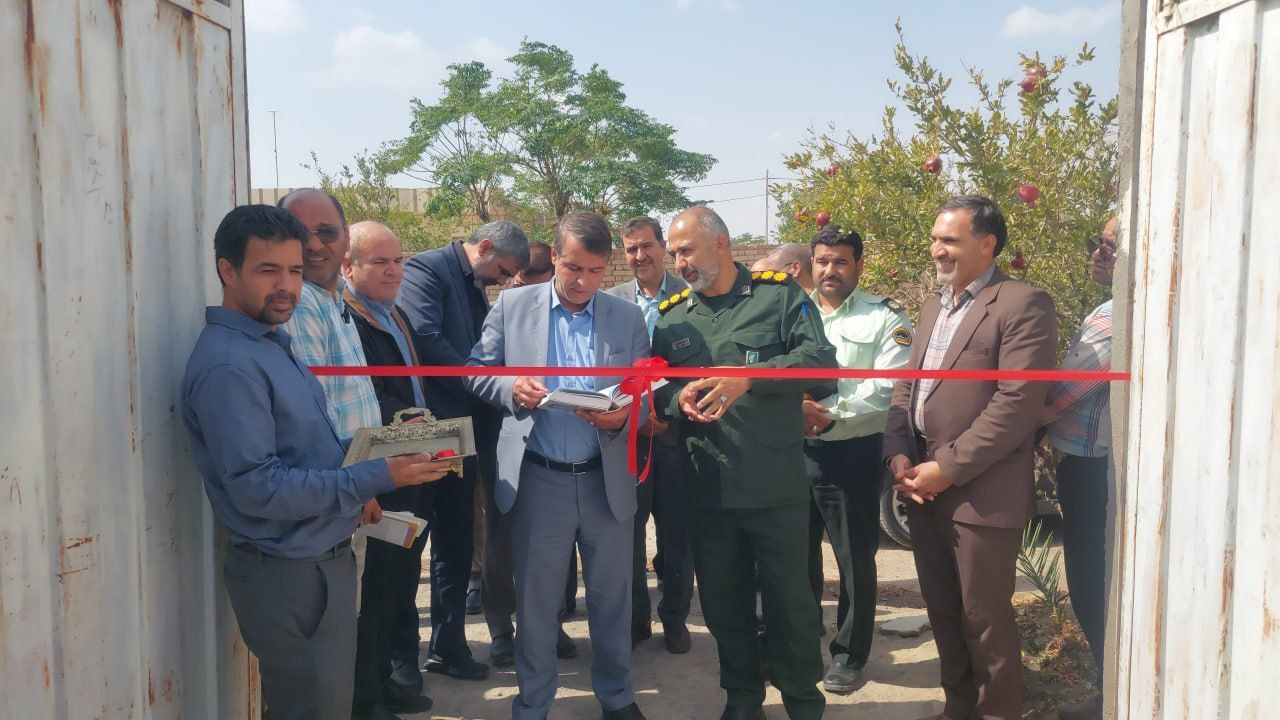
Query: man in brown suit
pixel 962 451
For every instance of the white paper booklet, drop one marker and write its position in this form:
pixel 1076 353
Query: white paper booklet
pixel 597 400
pixel 396 527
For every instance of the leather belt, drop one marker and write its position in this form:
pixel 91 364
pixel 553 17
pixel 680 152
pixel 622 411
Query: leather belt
pixel 573 468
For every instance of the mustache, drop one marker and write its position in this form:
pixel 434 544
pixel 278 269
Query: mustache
pixel 282 296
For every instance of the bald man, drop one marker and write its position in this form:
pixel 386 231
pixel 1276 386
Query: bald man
pixel 794 259
pixel 742 456
pixel 373 269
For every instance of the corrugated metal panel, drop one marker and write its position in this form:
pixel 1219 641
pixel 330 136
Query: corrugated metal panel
pixel 124 143
pixel 1197 605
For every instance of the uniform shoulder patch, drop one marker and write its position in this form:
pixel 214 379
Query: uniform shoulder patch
pixel 673 301
pixel 770 276
pixel 892 304
pixel 902 336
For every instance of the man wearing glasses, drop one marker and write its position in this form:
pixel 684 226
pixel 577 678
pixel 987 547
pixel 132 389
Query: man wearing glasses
pixel 1078 419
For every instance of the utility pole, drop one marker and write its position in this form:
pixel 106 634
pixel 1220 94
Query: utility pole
pixel 275 145
pixel 766 206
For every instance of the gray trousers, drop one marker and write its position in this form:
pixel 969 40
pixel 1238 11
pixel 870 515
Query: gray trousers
pixel 552 510
pixel 298 616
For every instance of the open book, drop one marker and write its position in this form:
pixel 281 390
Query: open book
pixel 603 400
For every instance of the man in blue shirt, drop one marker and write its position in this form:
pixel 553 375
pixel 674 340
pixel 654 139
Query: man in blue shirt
pixel 564 476
pixel 271 463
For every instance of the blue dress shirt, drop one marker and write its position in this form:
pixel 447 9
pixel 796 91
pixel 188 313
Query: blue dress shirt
pixel 382 313
pixel 557 434
pixel 264 444
pixel 649 305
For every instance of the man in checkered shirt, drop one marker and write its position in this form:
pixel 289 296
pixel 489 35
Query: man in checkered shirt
pixel 1078 420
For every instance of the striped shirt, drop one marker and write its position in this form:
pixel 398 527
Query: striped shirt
pixel 323 334
pixel 1078 413
pixel 954 309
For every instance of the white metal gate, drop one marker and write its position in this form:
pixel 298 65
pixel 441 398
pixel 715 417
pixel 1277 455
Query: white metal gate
pixel 1196 602
pixel 123 138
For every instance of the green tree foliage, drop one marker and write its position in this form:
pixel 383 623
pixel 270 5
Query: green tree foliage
pixel 453 145
pixel 1061 139
pixel 365 191
pixel 556 139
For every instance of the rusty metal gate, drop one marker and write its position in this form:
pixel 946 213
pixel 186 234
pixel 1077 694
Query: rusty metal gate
pixel 123 142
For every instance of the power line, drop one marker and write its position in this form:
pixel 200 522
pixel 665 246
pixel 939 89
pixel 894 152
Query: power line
pixel 736 182
pixel 744 197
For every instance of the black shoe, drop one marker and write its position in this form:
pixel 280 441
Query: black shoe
pixel 640 633
pixel 405 676
pixel 377 712
pixel 399 701
pixel 502 651
pixel 676 637
pixel 630 712
pixel 465 668
pixel 565 647
pixel 842 679
pixel 473 602
pixel 736 713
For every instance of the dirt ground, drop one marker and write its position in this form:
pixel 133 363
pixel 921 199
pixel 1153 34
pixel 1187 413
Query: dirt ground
pixel 901 677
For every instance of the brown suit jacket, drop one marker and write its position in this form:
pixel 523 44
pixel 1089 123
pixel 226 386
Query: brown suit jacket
pixel 982 433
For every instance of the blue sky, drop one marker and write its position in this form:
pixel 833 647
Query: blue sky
pixel 740 79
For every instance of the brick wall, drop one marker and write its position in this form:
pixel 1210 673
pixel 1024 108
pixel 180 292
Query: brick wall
pixel 618 272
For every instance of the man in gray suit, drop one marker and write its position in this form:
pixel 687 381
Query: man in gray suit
pixel 663 494
pixel 564 476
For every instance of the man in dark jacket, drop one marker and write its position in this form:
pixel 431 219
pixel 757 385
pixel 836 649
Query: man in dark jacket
pixel 443 297
pixel 374 268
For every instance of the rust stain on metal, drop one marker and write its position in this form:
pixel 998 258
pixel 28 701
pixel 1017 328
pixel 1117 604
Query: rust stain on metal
pixel 115 15
pixel 45 671
pixel 79 60
pixel 77 542
pixel 34 57
pixel 151 690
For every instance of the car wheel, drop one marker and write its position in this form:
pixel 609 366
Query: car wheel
pixel 893 517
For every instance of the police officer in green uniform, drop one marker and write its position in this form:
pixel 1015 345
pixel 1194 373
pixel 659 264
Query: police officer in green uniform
pixel 742 447
pixel 844 436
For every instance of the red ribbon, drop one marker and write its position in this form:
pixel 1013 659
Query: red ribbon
pixel 646 369
pixel 754 371
pixel 637 386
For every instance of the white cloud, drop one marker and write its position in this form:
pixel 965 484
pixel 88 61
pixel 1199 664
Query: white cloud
pixel 776 135
pixel 364 57
pixel 274 17
pixel 683 4
pixel 1027 21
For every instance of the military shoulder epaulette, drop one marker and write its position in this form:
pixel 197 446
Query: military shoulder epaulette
pixel 673 301
pixel 769 276
pixel 892 304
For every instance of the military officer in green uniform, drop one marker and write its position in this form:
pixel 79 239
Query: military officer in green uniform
pixel 844 436
pixel 742 447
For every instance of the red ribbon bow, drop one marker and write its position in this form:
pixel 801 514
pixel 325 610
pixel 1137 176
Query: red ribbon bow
pixel 637 386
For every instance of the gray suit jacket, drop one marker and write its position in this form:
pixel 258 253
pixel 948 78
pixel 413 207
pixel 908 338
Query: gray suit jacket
pixel 627 290
pixel 516 332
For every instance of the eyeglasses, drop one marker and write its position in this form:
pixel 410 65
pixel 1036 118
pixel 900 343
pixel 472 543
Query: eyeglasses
pixel 1098 243
pixel 327 235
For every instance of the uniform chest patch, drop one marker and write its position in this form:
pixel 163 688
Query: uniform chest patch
pixel 753 357
pixel 902 336
pixel 681 344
